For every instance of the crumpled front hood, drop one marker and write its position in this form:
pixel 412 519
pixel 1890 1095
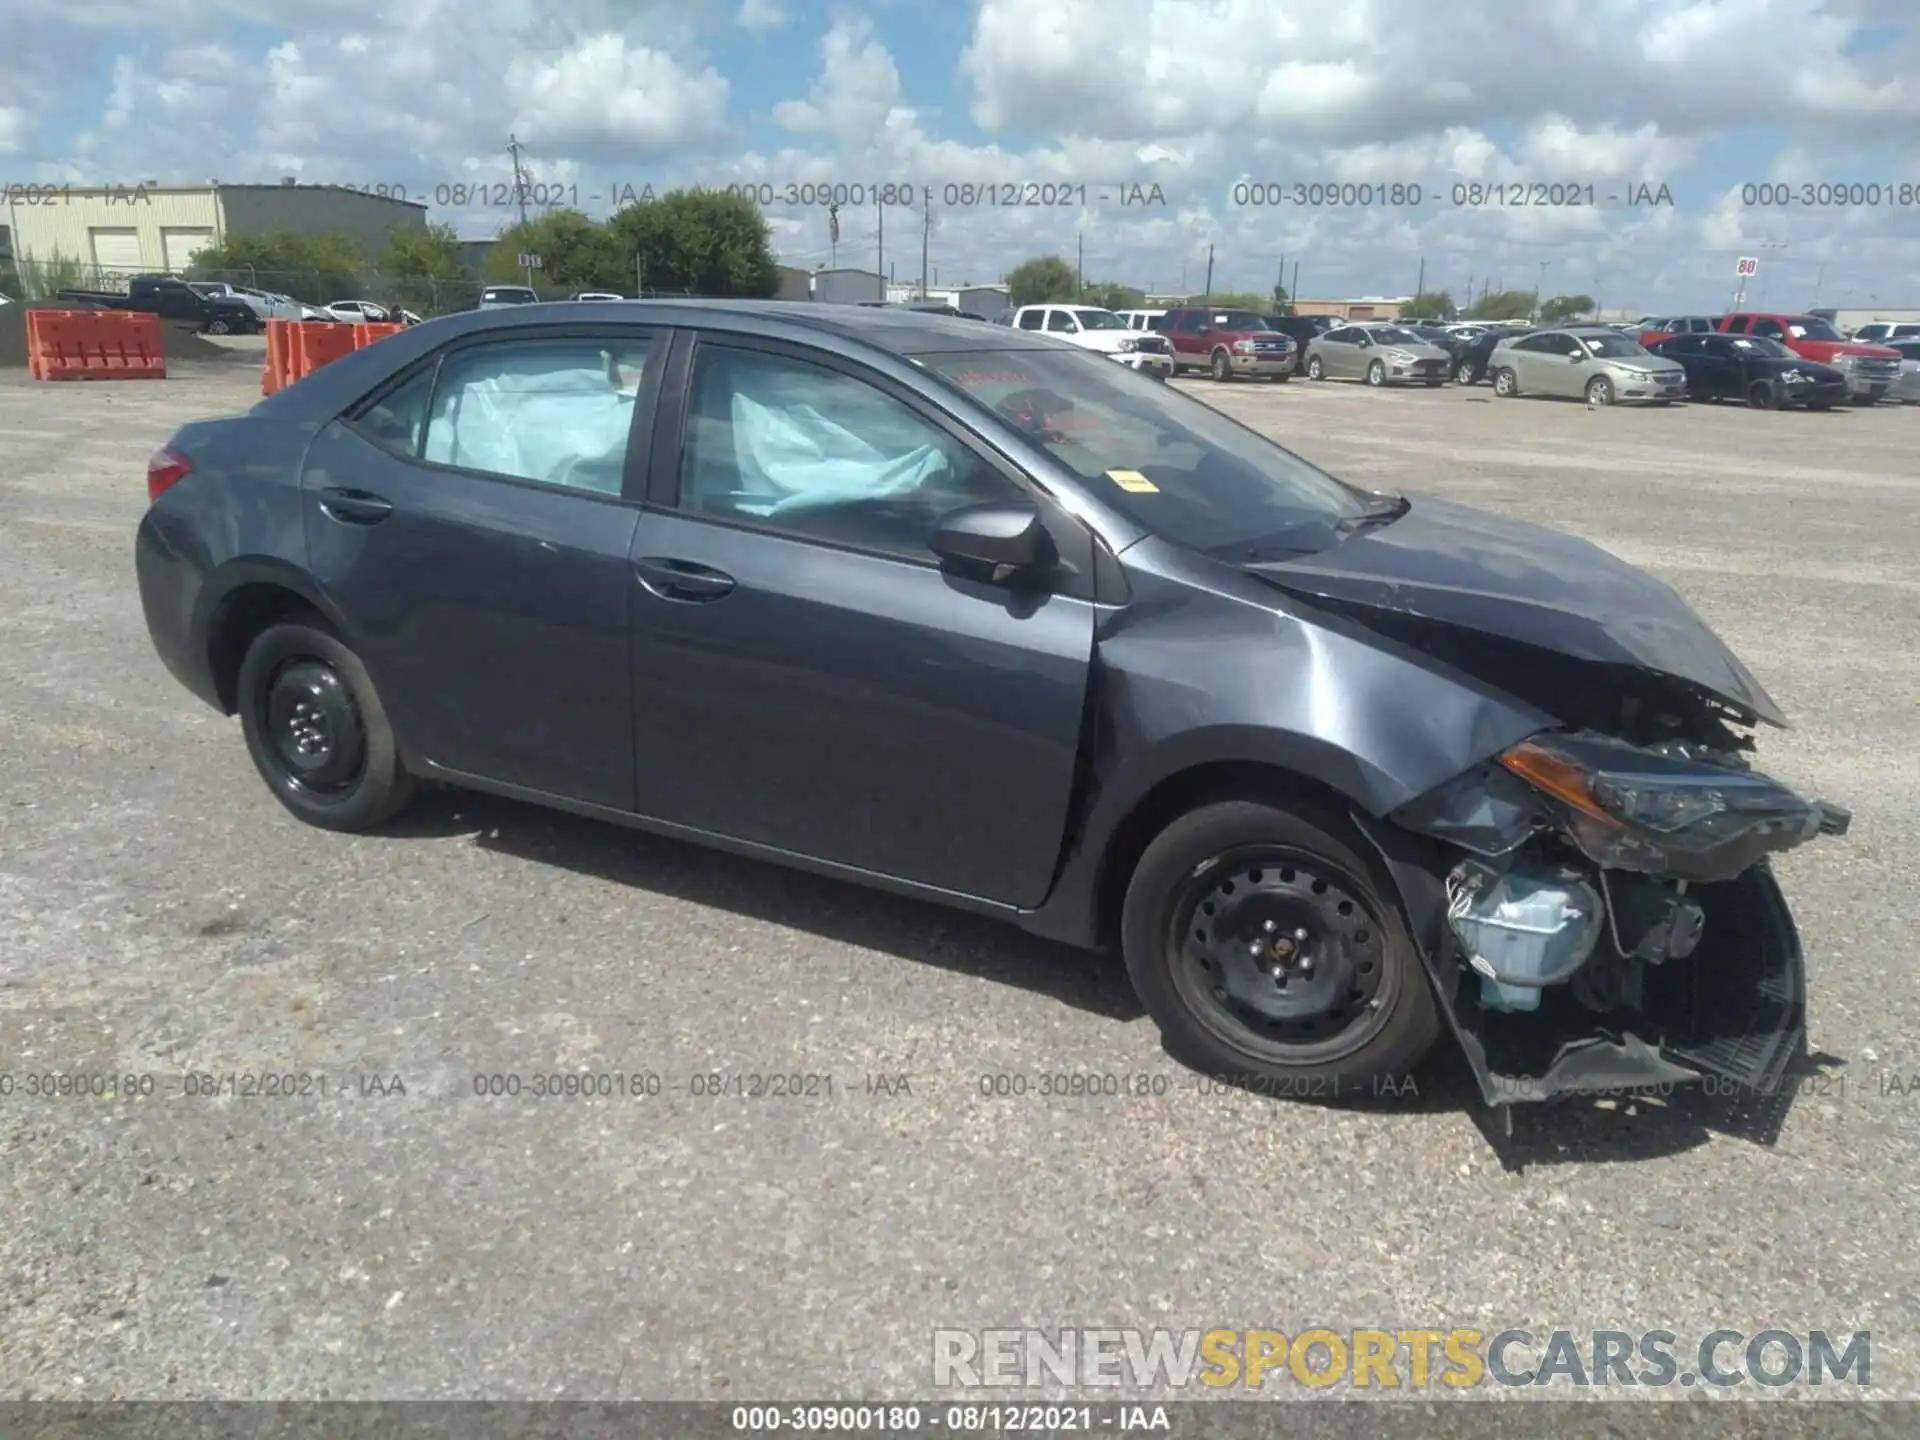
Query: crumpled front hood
pixel 1464 567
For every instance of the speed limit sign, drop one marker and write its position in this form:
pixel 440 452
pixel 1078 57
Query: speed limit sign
pixel 1749 266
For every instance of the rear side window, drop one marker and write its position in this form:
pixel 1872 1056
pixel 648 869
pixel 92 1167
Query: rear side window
pixel 555 411
pixel 1032 319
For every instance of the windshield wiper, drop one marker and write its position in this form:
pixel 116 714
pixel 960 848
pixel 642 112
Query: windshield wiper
pixel 1384 514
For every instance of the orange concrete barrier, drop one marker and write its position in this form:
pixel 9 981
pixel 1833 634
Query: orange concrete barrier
pixel 317 343
pixel 94 345
pixel 365 335
pixel 273 374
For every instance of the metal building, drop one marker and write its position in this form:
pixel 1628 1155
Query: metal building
pixel 847 287
pixel 151 229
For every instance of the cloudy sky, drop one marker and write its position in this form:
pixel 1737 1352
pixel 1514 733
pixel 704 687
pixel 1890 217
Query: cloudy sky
pixel 1198 97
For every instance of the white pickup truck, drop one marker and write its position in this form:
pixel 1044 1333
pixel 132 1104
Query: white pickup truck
pixel 1102 331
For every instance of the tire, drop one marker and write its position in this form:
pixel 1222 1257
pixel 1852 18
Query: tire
pixel 1506 384
pixel 1315 370
pixel 351 778
pixel 218 326
pixel 1220 368
pixel 1599 391
pixel 1760 395
pixel 1463 375
pixel 1376 374
pixel 1365 1011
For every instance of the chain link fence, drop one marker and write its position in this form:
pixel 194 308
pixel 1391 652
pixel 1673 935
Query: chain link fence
pixel 43 280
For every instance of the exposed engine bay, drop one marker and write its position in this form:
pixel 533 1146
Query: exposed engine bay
pixel 1610 919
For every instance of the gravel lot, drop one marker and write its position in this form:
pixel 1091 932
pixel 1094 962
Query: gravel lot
pixel 165 915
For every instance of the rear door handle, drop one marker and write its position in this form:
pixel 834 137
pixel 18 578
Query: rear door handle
pixel 355 507
pixel 681 579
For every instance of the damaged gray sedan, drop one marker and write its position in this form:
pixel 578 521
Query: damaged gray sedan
pixel 949 610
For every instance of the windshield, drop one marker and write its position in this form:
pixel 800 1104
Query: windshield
pixel 1236 320
pixel 1174 465
pixel 1612 346
pixel 1763 345
pixel 1393 335
pixel 1099 320
pixel 518 296
pixel 1808 327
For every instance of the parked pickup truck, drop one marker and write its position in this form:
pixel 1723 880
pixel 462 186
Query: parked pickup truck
pixel 173 299
pixel 1871 370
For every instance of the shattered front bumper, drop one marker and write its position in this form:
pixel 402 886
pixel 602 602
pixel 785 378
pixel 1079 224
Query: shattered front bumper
pixel 1691 966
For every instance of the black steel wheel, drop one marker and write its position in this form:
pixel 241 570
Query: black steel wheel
pixel 1760 395
pixel 1265 945
pixel 317 731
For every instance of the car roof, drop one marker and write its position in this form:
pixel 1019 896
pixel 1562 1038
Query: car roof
pixel 895 330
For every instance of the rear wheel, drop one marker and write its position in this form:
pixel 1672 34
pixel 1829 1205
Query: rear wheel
pixel 1506 383
pixel 1267 947
pixel 1463 374
pixel 218 326
pixel 1222 367
pixel 317 731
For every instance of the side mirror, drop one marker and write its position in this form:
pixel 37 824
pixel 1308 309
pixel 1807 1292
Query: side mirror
pixel 1366 342
pixel 1005 538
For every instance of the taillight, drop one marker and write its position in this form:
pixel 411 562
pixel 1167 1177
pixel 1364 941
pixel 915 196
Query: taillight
pixel 165 469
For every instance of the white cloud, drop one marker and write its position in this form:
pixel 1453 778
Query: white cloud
pixel 761 15
pixel 857 94
pixel 16 130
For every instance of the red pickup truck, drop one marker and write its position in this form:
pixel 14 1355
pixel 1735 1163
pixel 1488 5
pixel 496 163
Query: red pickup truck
pixel 1871 370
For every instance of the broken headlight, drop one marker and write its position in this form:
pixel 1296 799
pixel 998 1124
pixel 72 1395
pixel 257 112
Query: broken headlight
pixel 1665 812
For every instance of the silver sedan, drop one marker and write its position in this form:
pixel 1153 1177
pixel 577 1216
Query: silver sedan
pixel 1378 354
pixel 1600 365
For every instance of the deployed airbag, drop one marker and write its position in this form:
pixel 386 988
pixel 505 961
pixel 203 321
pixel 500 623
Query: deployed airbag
pixel 540 416
pixel 795 458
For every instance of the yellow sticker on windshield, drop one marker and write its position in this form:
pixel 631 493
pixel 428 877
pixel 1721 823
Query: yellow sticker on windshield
pixel 1133 482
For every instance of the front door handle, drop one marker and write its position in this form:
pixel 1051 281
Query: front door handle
pixel 681 579
pixel 355 507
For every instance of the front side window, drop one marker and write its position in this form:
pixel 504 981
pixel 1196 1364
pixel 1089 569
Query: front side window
pixel 556 411
pixel 822 455
pixel 1032 319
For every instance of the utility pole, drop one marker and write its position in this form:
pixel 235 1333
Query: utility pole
pixel 520 191
pixel 880 241
pixel 1469 307
pixel 1537 284
pixel 926 234
pixel 1280 282
pixel 1079 264
pixel 1420 285
pixel 1293 291
pixel 1208 295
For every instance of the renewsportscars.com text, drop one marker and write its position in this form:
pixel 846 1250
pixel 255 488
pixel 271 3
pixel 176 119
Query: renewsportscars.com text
pixel 1399 1359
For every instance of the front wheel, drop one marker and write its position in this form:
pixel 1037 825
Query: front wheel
pixel 1315 370
pixel 1760 397
pixel 1267 947
pixel 1599 391
pixel 317 731
pixel 1506 384
pixel 1222 368
pixel 1376 374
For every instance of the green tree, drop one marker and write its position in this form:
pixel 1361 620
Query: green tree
pixel 701 241
pixel 1234 300
pixel 1042 279
pixel 1434 305
pixel 576 253
pixel 1562 308
pixel 1110 296
pixel 1503 305
pixel 318 269
pixel 413 253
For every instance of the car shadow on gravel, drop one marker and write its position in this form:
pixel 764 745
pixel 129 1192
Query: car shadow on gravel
pixel 834 910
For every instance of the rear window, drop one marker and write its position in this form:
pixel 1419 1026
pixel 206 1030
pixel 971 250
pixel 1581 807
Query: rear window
pixel 514 294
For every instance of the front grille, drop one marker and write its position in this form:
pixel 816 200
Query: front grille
pixel 1152 344
pixel 1868 367
pixel 1272 347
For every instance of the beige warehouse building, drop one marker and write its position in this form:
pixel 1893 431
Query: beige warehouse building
pixel 153 229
